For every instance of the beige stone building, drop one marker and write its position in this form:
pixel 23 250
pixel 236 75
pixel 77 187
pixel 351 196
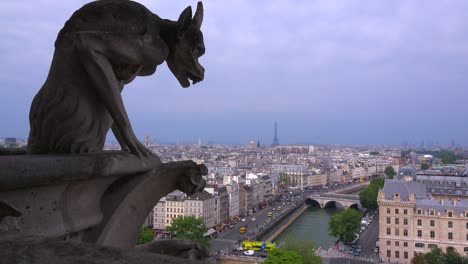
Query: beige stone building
pixel 411 222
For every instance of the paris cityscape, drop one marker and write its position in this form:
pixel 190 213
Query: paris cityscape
pixel 275 132
pixel 259 197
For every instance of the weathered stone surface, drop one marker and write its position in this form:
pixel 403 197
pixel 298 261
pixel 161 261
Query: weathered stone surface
pixel 50 251
pixel 103 46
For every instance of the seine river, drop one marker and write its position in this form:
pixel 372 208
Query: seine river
pixel 312 225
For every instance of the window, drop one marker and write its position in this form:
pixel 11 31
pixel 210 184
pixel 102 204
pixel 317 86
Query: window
pixel 450 214
pixel 432 234
pixel 431 246
pixel 405 211
pixel 465 249
pixel 419 233
pixel 397 221
pixel 419 245
pixel 389 232
pixel 397 211
pixel 466 225
pixel 389 243
pixel 388 210
pixel 419 222
pixel 388 220
pixel 432 223
pixel 450 224
pixel 397 254
pixel 431 212
pixel 397 232
pixel 405 244
pixel 405 221
pixel 450 235
pixel 405 255
pixel 389 253
pixel 397 243
pixel 419 211
pixel 466 237
pixel 405 232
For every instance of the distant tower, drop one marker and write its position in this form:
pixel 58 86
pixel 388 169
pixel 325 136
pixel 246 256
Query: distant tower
pixel 275 139
pixel 147 141
pixel 199 142
pixel 258 144
pixel 251 142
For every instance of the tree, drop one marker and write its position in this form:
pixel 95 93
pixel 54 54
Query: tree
pixel 146 236
pixel 390 172
pixel 418 259
pixel 303 248
pixel 281 256
pixel 436 256
pixel 368 196
pixel 424 166
pixel 345 225
pixel 374 153
pixel 188 227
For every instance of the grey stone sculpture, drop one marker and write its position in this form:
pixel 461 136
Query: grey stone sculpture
pixel 103 46
pixel 65 187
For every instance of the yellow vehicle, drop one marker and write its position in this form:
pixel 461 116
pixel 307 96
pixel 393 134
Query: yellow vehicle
pixel 257 246
pixel 279 208
pixel 242 230
pixel 270 214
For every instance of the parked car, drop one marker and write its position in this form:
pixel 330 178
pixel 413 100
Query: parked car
pixel 249 252
pixel 357 253
pixel 351 250
pixel 243 220
pixel 376 250
pixel 254 219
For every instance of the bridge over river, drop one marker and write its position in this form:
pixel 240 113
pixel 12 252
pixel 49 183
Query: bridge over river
pixel 334 199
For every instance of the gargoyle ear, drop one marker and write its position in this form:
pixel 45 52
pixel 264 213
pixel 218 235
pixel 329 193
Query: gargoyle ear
pixel 184 19
pixel 198 17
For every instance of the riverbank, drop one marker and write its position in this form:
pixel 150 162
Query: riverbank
pixel 281 223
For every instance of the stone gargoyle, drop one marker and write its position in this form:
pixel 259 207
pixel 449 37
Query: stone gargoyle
pixel 91 195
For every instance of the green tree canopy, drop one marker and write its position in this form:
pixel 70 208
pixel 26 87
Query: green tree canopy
pixel 374 153
pixel 437 256
pixel 390 172
pixel 345 225
pixel 368 196
pixel 146 236
pixel 188 227
pixel 281 256
pixel 303 247
pixel 424 166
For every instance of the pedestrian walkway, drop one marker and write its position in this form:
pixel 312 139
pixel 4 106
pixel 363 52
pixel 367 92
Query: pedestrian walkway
pixel 334 253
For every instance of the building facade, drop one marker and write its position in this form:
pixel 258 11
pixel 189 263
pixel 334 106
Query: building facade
pixel 411 222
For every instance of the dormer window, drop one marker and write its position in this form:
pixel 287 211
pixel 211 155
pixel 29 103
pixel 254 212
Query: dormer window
pixel 450 214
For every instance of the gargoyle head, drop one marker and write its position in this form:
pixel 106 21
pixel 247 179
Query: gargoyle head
pixel 183 57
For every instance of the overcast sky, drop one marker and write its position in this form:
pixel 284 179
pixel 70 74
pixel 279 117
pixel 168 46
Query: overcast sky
pixel 337 72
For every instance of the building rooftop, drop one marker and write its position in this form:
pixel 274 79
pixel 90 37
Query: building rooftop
pixel 404 189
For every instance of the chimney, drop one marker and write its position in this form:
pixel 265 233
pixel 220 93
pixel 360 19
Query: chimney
pixel 454 202
pixel 441 201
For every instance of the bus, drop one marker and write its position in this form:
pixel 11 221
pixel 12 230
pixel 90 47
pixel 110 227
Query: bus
pixel 242 230
pixel 257 246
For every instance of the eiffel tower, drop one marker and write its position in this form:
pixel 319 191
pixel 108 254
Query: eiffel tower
pixel 275 140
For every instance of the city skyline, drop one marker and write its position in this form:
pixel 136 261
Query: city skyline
pixel 329 72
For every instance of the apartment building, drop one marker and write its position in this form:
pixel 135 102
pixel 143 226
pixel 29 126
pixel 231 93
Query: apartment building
pixel 201 204
pixel 412 222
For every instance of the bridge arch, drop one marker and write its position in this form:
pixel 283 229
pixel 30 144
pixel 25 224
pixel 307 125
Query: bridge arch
pixel 312 202
pixel 331 204
pixel 354 206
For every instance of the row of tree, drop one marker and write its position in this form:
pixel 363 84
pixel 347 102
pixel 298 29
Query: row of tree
pixel 437 256
pixel 293 251
pixel 368 196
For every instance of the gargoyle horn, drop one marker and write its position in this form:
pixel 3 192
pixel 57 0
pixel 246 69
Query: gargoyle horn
pixel 198 17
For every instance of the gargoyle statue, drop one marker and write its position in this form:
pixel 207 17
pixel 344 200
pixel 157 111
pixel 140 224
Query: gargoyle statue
pixel 103 46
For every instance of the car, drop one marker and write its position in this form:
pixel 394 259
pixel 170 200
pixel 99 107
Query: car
pixel 270 214
pixel 238 249
pixel 274 209
pixel 351 251
pixel 359 248
pixel 254 219
pixel 376 250
pixel 249 252
pixel 243 220
pixel 357 253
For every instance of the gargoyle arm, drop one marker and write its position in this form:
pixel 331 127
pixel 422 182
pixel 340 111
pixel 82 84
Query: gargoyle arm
pixel 96 50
